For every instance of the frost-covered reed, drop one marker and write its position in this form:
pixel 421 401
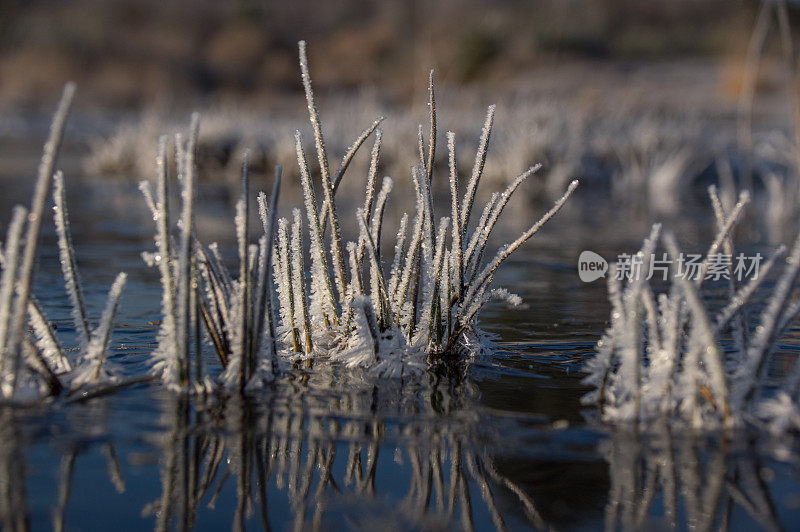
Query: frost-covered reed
pixel 196 285
pixel 423 306
pixel 351 304
pixel 663 355
pixel 32 361
pixel 427 302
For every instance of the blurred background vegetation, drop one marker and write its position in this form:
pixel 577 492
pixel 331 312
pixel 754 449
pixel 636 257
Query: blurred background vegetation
pixel 128 53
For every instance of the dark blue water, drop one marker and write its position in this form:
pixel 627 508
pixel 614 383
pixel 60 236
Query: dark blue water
pixel 502 443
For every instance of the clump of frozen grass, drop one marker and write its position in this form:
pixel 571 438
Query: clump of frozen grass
pixel 196 285
pixel 352 306
pixel 662 355
pixel 174 260
pixel 775 166
pixel 32 361
pixel 426 304
pixel 91 366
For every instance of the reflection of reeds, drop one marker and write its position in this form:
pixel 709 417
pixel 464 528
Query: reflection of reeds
pixel 14 511
pixel 321 459
pixel 696 482
pixel 296 459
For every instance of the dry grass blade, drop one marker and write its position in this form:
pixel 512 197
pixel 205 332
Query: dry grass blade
pixel 432 134
pixel 7 285
pixel 185 270
pixel 458 251
pixel 247 361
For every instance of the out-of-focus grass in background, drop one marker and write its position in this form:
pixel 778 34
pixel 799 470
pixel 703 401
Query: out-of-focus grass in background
pixel 131 53
pixel 641 99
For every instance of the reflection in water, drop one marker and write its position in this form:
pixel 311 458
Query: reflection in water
pixel 332 451
pixel 314 455
pixel 326 459
pixel 13 507
pixel 305 455
pixel 671 480
pixel 65 480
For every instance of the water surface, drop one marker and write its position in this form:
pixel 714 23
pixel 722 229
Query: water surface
pixel 502 443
